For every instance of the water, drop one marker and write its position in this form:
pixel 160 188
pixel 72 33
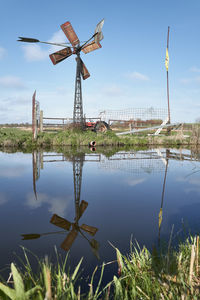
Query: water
pixel 125 193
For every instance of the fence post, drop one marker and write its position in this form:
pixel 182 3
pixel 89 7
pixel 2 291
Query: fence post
pixel 41 121
pixel 34 122
pixel 36 128
pixel 41 160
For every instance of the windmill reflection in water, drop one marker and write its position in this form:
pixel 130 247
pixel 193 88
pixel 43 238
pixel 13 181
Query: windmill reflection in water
pixel 73 227
pixel 138 161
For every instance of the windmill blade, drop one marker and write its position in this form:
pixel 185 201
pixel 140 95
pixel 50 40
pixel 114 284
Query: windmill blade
pixel 95 248
pixel 60 222
pixel 60 55
pixel 84 73
pixel 98 30
pixel 82 208
pixel 27 40
pixel 89 229
pixel 70 33
pixel 98 37
pixel 67 243
pixel 91 47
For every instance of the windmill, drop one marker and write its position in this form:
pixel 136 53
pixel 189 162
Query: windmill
pixel 90 45
pixel 73 227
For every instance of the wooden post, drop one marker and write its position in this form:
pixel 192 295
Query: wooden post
pixel 41 160
pixel 34 116
pixel 169 121
pixel 41 121
pixel 36 126
pixel 130 127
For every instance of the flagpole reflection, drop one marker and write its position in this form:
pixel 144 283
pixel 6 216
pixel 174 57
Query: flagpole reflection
pixel 160 216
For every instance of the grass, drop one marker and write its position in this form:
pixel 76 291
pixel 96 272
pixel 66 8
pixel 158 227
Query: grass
pixel 14 137
pixel 173 274
pixel 11 137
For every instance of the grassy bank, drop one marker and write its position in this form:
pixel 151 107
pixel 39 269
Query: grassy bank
pixel 12 137
pixel 141 275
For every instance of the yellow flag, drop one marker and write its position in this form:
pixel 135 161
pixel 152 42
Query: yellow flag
pixel 160 218
pixel 167 59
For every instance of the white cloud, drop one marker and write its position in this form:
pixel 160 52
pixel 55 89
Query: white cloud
pixel 112 90
pixel 3 199
pixel 17 101
pixel 193 190
pixel 56 205
pixel 195 69
pixel 190 80
pixel 58 37
pixel 192 181
pixel 133 182
pixel 15 108
pixel 185 80
pixel 12 172
pixel 137 76
pixel 35 52
pixel 11 82
pixel 2 52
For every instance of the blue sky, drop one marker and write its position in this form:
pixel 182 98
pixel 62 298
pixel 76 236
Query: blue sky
pixel 127 72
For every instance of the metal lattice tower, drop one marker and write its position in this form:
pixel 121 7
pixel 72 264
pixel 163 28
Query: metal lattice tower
pixel 78 104
pixel 77 173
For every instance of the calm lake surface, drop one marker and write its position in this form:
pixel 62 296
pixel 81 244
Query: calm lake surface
pixel 123 195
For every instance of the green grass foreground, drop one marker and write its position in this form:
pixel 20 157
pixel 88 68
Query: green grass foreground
pixel 141 275
pixel 13 137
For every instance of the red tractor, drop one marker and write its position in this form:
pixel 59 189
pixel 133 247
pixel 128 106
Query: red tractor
pixel 99 126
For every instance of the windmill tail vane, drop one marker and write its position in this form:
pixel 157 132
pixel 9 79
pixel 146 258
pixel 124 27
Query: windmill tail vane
pixel 27 40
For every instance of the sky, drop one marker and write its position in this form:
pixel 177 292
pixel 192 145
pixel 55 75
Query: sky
pixel 127 72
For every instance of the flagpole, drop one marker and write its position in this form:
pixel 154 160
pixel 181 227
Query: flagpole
pixel 169 121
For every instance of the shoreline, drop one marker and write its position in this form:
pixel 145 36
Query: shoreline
pixel 17 138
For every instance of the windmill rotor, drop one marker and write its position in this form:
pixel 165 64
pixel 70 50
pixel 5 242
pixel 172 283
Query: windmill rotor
pixel 70 33
pixel 98 31
pixel 91 47
pixel 84 71
pixel 74 226
pixel 60 55
pixel 93 43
